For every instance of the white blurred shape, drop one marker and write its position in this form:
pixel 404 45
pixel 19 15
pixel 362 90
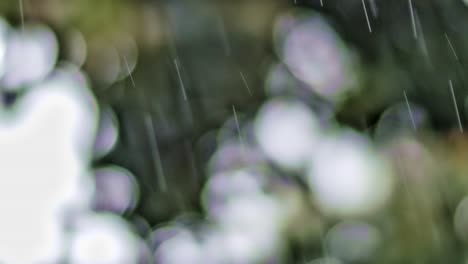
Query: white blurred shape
pixel 69 81
pixel 4 35
pixel 107 134
pixel 182 247
pixel 353 241
pixel 287 132
pixel 116 190
pixel 30 57
pixel 247 228
pixel 234 155
pixel 42 173
pixel 234 183
pixel 348 178
pixel 164 233
pixel 326 260
pixel 30 243
pixel 103 239
pixel 256 212
pixel 225 186
pixel 314 53
pixel 239 246
pixel 251 227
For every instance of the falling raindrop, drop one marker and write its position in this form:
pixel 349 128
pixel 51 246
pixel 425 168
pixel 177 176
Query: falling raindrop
pixel 401 119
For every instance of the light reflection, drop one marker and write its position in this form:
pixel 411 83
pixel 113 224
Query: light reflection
pixel 247 209
pixel 46 138
pixel 353 241
pixel 399 120
pixel 4 33
pixel 47 122
pixel 240 246
pixel 314 53
pixel 234 155
pixel 287 131
pixel 69 82
pixel 116 190
pixel 103 238
pixel 30 57
pixel 107 134
pixel 164 233
pixel 26 241
pixel 227 185
pixel 258 218
pixel 214 244
pixel 348 177
pixel 281 82
pixel 244 224
pixel 181 247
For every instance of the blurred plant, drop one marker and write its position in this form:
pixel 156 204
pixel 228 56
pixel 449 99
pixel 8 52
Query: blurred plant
pixel 47 136
pixel 228 172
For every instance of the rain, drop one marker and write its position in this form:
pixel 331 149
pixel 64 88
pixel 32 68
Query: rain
pixel 233 132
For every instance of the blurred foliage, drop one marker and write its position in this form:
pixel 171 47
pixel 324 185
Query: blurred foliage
pixel 222 45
